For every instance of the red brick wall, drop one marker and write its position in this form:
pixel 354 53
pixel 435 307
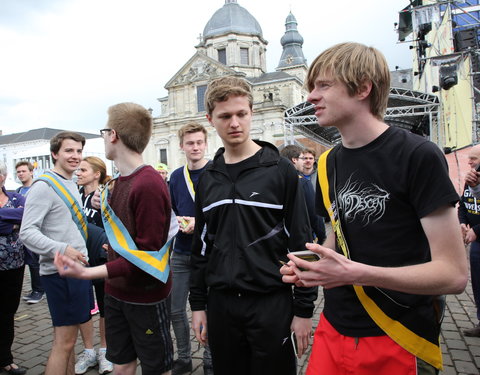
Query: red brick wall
pixel 457 166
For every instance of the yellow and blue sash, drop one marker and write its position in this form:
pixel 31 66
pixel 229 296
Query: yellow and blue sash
pixel 154 263
pixel 408 334
pixel 72 204
pixel 189 182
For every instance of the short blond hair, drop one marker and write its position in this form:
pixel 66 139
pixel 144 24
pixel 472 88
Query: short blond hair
pixel 221 89
pixel 353 64
pixel 191 127
pixel 132 123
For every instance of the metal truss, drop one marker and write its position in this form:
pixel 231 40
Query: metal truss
pixel 418 106
pixel 415 110
pixel 309 133
pixel 417 96
pixel 297 110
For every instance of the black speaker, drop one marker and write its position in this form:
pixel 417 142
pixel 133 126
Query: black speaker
pixel 465 39
pixel 448 76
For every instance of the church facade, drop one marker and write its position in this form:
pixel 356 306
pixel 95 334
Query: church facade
pixel 232 43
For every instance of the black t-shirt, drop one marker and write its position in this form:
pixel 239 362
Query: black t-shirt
pixel 93 215
pixel 383 190
pixel 235 168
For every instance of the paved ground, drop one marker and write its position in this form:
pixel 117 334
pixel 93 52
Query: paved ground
pixel 461 354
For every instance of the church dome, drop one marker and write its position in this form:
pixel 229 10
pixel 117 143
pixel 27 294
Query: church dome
pixel 232 18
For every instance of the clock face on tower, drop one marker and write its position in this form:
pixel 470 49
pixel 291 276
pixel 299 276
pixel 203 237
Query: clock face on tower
pixel 289 59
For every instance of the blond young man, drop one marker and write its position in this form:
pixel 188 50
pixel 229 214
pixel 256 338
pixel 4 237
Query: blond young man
pixel 250 211
pixel 398 244
pixel 137 322
pixel 183 183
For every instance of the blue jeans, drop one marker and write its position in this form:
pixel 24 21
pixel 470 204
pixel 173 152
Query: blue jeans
pixel 180 265
pixel 475 273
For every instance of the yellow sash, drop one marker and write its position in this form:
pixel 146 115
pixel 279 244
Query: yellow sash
pixel 72 204
pixel 153 262
pixel 189 182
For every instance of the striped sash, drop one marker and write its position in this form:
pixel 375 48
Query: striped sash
pixel 189 182
pixel 154 263
pixel 409 334
pixel 72 204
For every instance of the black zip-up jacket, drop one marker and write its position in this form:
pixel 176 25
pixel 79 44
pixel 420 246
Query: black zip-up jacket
pixel 243 229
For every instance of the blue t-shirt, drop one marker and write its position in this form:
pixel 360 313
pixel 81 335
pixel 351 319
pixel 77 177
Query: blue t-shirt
pixel 183 204
pixel 23 190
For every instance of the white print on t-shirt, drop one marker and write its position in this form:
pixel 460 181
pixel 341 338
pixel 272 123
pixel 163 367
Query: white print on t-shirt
pixel 362 202
pixel 470 202
pixel 89 212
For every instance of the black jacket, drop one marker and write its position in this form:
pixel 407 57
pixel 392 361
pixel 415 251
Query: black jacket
pixel 244 227
pixel 469 211
pixel 316 221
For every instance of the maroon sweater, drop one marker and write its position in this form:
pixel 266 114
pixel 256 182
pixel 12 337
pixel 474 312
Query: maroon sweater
pixel 141 201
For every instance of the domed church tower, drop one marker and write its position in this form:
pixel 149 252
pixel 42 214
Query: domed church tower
pixel 234 38
pixel 232 44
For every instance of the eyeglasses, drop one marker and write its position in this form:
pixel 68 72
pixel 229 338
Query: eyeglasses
pixel 103 131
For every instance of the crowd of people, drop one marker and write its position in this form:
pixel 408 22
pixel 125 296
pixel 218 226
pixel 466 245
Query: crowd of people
pixel 225 236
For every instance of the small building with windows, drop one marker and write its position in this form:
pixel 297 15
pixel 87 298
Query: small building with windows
pixel 34 146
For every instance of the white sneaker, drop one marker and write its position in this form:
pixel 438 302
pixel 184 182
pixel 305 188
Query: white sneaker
pixel 104 365
pixel 85 361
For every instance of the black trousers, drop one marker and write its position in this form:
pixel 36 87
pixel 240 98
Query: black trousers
pixel 249 333
pixel 10 290
pixel 31 259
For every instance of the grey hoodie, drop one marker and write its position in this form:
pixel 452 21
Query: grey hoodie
pixel 47 225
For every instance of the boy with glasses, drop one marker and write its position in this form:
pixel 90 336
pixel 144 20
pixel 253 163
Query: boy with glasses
pixel 137 219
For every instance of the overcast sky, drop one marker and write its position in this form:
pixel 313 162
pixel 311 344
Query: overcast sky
pixel 64 62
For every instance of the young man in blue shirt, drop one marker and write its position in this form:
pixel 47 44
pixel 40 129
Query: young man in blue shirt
pixel 193 142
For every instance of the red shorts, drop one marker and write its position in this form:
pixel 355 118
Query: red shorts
pixel 333 353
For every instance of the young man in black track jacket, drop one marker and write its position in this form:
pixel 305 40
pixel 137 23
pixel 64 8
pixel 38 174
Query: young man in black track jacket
pixel 250 212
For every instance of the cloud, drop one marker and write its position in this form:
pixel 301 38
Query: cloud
pixel 17 14
pixel 65 61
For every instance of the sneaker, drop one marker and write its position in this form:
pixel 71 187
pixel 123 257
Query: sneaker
pixel 181 367
pixel 85 361
pixel 35 297
pixel 28 296
pixel 95 310
pixel 472 332
pixel 104 365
